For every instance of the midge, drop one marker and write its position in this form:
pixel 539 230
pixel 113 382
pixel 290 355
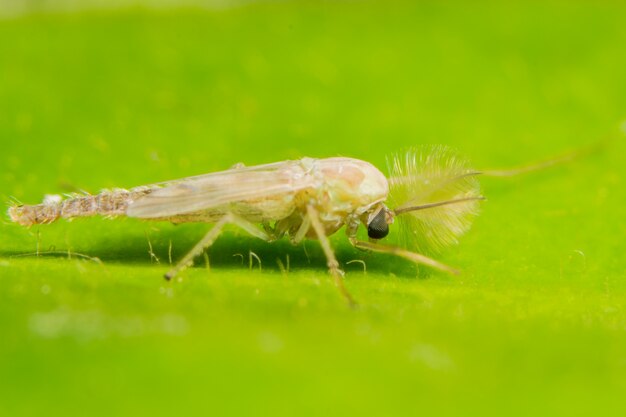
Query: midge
pixel 431 191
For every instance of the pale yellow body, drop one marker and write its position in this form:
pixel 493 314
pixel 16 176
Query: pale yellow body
pixel 340 189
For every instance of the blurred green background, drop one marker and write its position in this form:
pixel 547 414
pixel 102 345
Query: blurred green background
pixel 94 96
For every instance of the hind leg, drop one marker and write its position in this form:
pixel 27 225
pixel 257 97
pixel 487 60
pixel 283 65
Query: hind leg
pixel 210 238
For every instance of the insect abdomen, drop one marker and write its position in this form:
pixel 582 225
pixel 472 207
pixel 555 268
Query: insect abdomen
pixel 107 203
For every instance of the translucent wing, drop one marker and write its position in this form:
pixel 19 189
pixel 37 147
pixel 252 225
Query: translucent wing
pixel 429 175
pixel 217 189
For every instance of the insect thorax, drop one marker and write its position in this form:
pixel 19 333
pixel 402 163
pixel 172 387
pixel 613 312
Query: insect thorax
pixel 348 188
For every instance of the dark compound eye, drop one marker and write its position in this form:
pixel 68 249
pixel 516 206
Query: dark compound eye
pixel 378 227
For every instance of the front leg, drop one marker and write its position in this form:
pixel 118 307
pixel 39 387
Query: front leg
pixel 403 253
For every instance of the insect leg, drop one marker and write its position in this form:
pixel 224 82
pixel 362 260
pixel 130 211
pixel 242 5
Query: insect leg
pixel 333 265
pixel 302 230
pixel 210 238
pixel 403 253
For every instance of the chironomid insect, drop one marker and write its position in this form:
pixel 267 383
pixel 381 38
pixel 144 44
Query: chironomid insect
pixel 431 192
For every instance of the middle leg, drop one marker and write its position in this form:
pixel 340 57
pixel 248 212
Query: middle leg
pixel 333 265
